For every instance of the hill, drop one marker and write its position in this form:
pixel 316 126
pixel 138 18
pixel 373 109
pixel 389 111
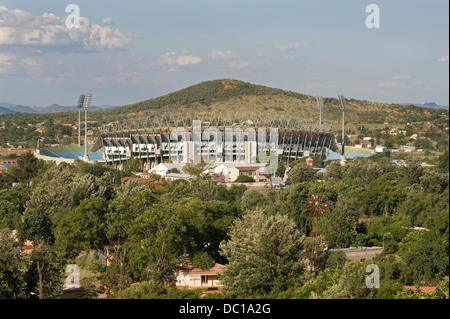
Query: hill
pixel 228 96
pixel 231 96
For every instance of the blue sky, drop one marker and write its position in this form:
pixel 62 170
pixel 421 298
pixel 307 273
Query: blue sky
pixel 129 51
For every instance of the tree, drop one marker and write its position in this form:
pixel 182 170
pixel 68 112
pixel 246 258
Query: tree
pixel 351 284
pixel 336 260
pixel 253 199
pixel 28 167
pixel 443 162
pixel 315 287
pixel 82 229
pixel 44 274
pixel 244 179
pixel 441 292
pixel 89 186
pixel 428 259
pixel 302 173
pixel 339 226
pixel 49 202
pixel 292 202
pixel 134 165
pixel 265 255
pixel 13 267
pixel 123 210
pixel 334 171
pixel 195 169
pixel 152 290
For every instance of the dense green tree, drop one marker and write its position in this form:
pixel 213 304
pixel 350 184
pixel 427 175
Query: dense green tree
pixel 382 196
pixel 82 229
pixel 253 199
pixel 427 258
pixel 334 171
pixel 123 210
pixel 89 186
pixel 315 287
pixel 339 225
pixel 351 283
pixel 44 276
pixel 49 202
pixel 152 290
pixel 13 267
pixel 293 202
pixel 336 259
pixel 265 255
pixel 301 173
pixel 28 167
pixel 443 162
pixel 134 165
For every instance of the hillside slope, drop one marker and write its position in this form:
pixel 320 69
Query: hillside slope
pixel 226 95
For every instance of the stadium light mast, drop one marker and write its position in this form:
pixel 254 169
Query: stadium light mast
pixel 342 104
pixel 80 106
pixel 84 102
pixel 319 100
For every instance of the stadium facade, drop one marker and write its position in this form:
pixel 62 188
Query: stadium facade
pixel 158 140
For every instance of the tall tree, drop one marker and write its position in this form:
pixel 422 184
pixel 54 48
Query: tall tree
pixel 13 267
pixel 44 276
pixel 265 255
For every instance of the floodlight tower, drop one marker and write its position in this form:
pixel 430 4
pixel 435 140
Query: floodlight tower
pixel 320 105
pixel 84 102
pixel 80 106
pixel 342 104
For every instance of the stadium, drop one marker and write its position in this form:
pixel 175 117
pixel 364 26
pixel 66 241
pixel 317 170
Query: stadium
pixel 157 140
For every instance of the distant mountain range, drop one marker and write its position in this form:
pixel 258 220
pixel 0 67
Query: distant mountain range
pixel 430 104
pixel 8 108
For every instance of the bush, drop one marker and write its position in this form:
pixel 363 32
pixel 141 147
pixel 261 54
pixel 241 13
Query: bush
pixel 244 179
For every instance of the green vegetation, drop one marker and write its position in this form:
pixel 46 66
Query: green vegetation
pixel 225 97
pixel 264 236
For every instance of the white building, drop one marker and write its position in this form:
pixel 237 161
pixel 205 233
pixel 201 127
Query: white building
pixel 381 149
pixel 231 171
pixel 162 168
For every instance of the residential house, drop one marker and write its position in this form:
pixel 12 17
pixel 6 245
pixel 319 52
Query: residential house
pixel 196 278
pixel 162 168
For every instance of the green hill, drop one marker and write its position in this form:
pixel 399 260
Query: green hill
pixel 226 95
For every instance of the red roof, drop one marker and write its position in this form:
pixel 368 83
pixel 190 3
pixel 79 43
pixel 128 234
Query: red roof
pixel 427 289
pixel 140 180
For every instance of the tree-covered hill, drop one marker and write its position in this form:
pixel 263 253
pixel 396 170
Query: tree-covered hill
pixel 226 98
pixel 228 95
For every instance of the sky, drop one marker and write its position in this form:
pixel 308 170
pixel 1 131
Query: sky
pixel 129 51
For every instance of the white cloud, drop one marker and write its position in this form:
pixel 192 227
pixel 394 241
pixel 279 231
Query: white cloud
pixel 227 54
pixel 109 21
pixel 401 77
pixel 239 65
pixel 391 84
pixel 443 59
pixel 174 59
pixel 293 46
pixel 400 82
pixel 23 29
pixel 10 64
